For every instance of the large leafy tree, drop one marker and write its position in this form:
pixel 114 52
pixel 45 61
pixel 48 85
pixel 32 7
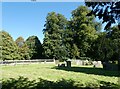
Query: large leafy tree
pixel 22 48
pixel 53 41
pixel 109 12
pixel 35 47
pixel 8 47
pixel 84 31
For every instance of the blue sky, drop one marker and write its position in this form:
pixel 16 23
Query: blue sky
pixel 27 18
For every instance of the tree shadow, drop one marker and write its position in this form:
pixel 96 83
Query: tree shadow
pixel 25 83
pixel 90 70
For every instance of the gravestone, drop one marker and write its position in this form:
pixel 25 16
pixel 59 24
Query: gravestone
pixel 77 62
pixel 68 63
pixel 86 62
pixel 80 62
pixel 56 62
pixel 97 63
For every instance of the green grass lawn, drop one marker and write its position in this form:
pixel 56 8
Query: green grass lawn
pixel 50 72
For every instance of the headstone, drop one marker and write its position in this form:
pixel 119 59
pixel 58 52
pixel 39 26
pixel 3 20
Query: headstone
pixel 85 62
pixel 94 63
pixel 80 62
pixel 56 62
pixel 68 63
pixel 77 62
pixel 97 63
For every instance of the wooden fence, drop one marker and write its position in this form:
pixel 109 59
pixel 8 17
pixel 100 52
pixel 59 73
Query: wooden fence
pixel 73 61
pixel 27 61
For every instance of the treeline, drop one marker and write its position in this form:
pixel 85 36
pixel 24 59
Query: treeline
pixel 77 38
pixel 20 49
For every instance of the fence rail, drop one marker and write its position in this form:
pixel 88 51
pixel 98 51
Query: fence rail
pixel 26 61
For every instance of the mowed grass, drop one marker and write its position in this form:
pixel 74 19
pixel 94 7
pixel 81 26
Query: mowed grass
pixel 84 74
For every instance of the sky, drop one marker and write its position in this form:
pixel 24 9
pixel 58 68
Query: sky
pixel 28 18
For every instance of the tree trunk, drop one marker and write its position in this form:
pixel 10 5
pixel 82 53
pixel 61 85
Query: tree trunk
pixel 119 63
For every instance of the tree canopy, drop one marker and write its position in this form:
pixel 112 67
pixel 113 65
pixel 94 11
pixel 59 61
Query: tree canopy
pixel 78 37
pixel 53 41
pixel 9 48
pixel 84 31
pixel 109 12
pixel 35 47
pixel 23 50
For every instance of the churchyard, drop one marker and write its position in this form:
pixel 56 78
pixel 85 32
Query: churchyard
pixel 78 75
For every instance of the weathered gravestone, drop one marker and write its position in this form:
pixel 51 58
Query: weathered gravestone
pixel 85 62
pixel 68 63
pixel 56 62
pixel 97 63
pixel 79 62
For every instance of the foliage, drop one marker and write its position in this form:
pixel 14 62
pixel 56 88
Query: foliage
pixel 84 31
pixel 102 48
pixel 107 11
pixel 110 14
pixel 79 37
pixel 9 48
pixel 106 46
pixel 54 27
pixel 22 48
pixel 35 47
pixel 114 36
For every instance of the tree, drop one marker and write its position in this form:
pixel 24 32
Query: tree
pixel 53 41
pixel 35 47
pixel 83 28
pixel 23 49
pixel 114 35
pixel 68 41
pixel 9 48
pixel 109 12
pixel 106 47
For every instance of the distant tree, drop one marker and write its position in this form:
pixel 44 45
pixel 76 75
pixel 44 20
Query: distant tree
pixel 8 47
pixel 53 41
pixel 109 12
pixel 35 47
pixel 23 49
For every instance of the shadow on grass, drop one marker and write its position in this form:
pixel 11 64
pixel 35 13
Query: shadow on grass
pixel 90 70
pixel 25 83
